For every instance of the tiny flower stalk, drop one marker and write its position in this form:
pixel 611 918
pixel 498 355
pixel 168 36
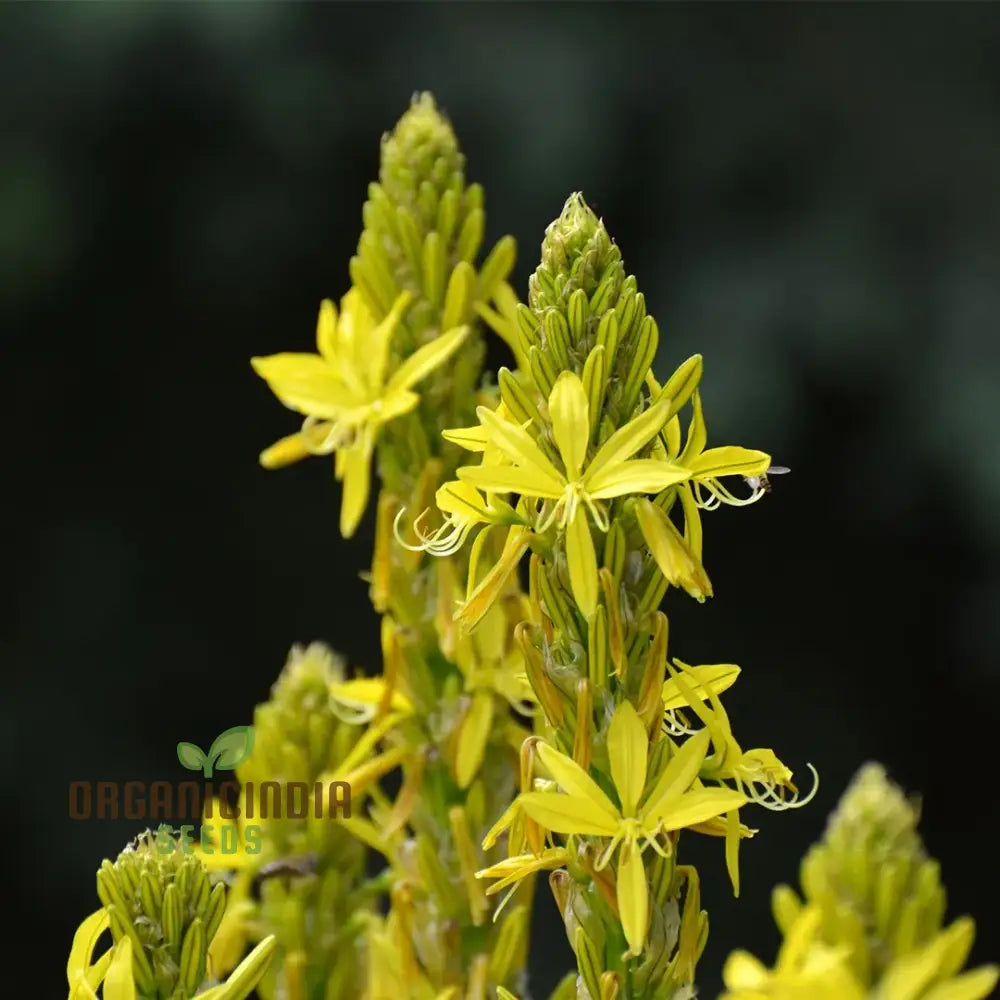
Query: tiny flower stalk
pixel 583 464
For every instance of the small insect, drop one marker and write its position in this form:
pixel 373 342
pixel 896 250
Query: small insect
pixel 762 482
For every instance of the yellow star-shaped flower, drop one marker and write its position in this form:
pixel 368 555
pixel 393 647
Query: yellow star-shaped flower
pixel 347 392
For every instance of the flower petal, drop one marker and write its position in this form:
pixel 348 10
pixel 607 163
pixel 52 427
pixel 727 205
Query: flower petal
pixel 626 441
pixel 509 479
pixel 633 898
pixel 679 774
pixel 472 737
pixel 582 560
pixel 119 983
pixel 306 383
pixel 640 475
pixel 517 444
pixel 569 412
pixel 461 499
pixel 566 814
pixel 84 941
pixel 717 677
pixel 694 807
pixel 729 460
pixel 469 438
pixel 356 475
pixel 628 749
pixel 376 349
pixel 326 331
pixel 577 783
pixel 424 360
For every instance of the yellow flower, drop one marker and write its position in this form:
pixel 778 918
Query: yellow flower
pixel 612 472
pixel 347 393
pixel 807 969
pixel 705 490
pixel 114 968
pixel 758 773
pixel 641 816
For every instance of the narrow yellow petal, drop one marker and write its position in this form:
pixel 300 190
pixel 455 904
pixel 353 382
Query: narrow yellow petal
pixel 693 534
pixel 425 359
pixel 974 985
pixel 472 738
pixel 672 554
pixel 469 438
pixel 576 782
pixel 729 460
pixel 481 599
pixel 373 352
pixel 633 898
pixel 567 814
pixel 250 971
pixel 517 444
pixel 84 941
pixel 368 692
pixel 284 452
pixel 508 479
pixel 744 972
pixel 679 774
pixel 326 331
pixel 119 983
pixel 569 412
pixel 717 677
pixel 639 475
pixel 306 383
pixel 626 441
pixel 628 749
pixel 461 499
pixel 520 866
pixel 694 807
pixel 582 560
pixel 356 476
pixel 697 435
pixel 733 849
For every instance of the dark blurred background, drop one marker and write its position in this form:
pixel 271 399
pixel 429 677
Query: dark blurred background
pixel 808 195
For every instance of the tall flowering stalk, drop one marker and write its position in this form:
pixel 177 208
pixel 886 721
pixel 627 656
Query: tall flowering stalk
pixel 586 448
pixel 547 729
pixel 398 363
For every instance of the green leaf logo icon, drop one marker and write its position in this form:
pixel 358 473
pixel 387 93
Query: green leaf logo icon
pixel 227 752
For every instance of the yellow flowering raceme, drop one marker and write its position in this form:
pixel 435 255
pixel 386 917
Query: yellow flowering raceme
pixel 347 392
pixel 612 472
pixel 641 816
pixel 114 968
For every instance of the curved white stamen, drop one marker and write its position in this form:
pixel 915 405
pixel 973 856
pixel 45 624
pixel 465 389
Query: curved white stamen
pixel 772 797
pixel 444 541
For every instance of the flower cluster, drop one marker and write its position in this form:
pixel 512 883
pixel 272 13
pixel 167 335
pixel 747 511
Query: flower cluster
pixel 583 463
pixel 529 715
